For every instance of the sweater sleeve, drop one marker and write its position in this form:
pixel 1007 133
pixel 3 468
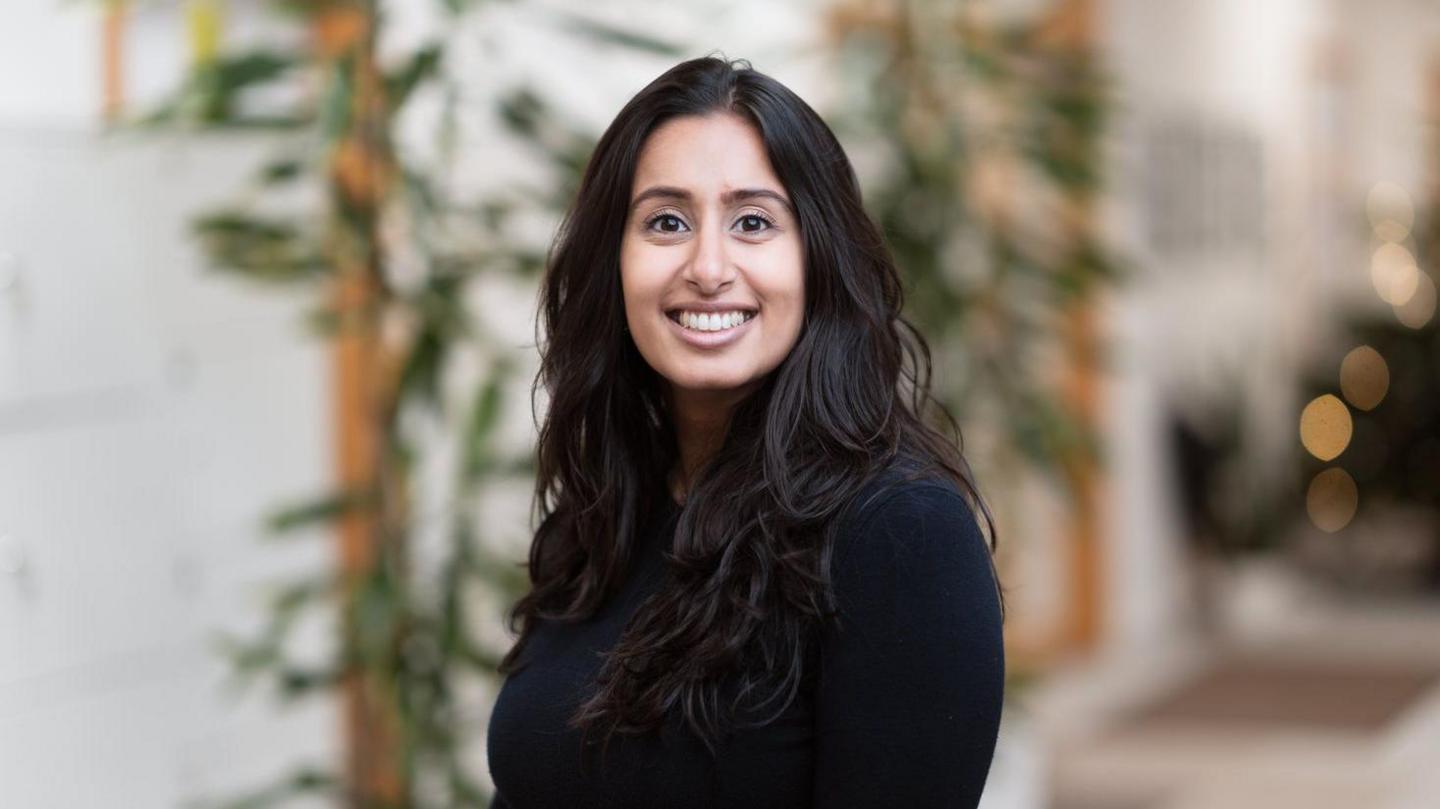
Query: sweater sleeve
pixel 911 681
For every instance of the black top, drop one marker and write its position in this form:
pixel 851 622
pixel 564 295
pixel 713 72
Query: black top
pixel 903 709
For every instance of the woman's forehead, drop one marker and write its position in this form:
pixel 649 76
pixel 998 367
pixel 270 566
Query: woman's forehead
pixel 707 157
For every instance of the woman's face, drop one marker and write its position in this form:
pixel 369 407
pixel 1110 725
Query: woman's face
pixel 711 263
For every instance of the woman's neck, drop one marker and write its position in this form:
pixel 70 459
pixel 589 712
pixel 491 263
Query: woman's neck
pixel 701 419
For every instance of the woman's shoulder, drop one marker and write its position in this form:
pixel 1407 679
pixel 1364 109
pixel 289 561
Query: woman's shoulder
pixel 913 518
pixel 910 672
pixel 903 487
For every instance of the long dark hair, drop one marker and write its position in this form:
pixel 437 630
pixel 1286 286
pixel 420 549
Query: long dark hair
pixel 747 581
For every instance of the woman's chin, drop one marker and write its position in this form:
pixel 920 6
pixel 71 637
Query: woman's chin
pixel 710 383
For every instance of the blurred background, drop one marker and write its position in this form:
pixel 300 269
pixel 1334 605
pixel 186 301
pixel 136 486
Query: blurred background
pixel 267 286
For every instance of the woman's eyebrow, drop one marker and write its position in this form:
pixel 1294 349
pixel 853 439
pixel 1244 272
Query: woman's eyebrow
pixel 729 197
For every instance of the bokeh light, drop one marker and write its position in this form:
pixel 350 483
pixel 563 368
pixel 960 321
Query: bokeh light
pixel 1420 307
pixel 1332 499
pixel 1325 427
pixel 1393 271
pixel 1364 377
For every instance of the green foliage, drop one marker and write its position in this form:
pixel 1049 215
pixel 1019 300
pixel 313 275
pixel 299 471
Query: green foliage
pixel 605 34
pixel 422 67
pixel 264 249
pixel 213 94
pixel 479 455
pixel 410 633
pixel 321 510
pixel 986 139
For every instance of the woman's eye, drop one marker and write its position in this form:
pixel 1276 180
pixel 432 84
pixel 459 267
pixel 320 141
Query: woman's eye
pixel 670 223
pixel 667 223
pixel 754 223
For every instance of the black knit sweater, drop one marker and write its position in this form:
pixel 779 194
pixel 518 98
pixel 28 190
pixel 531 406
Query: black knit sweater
pixel 902 709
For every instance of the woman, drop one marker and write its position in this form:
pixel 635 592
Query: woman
pixel 758 580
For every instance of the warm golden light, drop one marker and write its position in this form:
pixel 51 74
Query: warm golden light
pixel 1364 377
pixel 1394 273
pixel 1325 427
pixel 1332 499
pixel 1391 212
pixel 1417 311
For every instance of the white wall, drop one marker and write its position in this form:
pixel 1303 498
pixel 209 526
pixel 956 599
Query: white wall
pixel 49 63
pixel 1329 90
pixel 150 413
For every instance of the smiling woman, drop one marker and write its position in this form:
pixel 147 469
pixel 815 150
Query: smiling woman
pixel 758 569
pixel 713 272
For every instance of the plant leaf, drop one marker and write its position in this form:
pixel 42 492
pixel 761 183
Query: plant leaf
pixel 606 34
pixel 322 509
pixel 422 66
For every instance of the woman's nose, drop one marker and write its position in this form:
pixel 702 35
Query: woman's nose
pixel 709 265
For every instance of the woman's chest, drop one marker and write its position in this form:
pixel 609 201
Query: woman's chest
pixel 537 760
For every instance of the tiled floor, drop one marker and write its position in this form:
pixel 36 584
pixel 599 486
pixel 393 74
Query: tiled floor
pixel 1275 692
pixel 1337 706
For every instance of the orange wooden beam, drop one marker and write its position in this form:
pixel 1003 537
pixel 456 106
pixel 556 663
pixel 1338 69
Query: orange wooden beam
pixel 362 385
pixel 112 60
pixel 1071 27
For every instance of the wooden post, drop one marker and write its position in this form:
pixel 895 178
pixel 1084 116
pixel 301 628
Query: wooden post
pixel 112 61
pixel 1067 28
pixel 344 36
pixel 1071 28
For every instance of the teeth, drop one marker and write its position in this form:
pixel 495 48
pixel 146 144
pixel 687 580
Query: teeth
pixel 712 321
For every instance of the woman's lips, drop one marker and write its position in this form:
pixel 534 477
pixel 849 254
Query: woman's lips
pixel 711 339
